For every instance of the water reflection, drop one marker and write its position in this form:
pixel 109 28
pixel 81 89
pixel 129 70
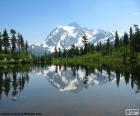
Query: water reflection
pixel 13 80
pixel 64 78
pixel 75 78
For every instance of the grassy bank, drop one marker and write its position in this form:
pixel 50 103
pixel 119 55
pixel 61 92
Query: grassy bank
pixel 114 61
pixel 17 58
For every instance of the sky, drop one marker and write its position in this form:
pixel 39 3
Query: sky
pixel 35 19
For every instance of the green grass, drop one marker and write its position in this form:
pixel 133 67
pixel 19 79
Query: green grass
pixel 115 61
pixel 15 58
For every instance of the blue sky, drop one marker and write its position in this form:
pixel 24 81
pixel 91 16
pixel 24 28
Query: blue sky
pixel 36 18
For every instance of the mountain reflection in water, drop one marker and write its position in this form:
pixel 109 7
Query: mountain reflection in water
pixel 70 90
pixel 75 78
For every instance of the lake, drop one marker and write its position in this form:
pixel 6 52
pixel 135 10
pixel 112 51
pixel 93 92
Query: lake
pixel 68 90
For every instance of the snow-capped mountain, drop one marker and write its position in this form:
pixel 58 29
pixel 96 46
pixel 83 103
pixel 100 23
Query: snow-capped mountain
pixel 38 49
pixel 67 79
pixel 64 36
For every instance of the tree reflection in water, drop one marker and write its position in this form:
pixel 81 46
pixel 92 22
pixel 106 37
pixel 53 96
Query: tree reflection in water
pixel 13 80
pixel 72 78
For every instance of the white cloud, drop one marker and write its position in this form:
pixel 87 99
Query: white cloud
pixel 136 13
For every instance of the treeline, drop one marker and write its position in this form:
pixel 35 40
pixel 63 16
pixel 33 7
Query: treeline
pixel 130 42
pixel 12 43
pixel 47 58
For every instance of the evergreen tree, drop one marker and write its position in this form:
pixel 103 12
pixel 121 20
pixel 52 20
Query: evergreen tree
pixel 65 53
pixel 19 42
pixel 81 51
pixel 117 41
pixel 13 40
pixel 26 47
pixel 137 38
pixel 85 42
pixel 132 45
pixel 92 48
pixel 0 43
pixel 125 39
pixel 108 46
pixel 76 51
pixel 131 40
pixel 22 43
pixel 72 50
pixel 55 51
pixel 59 52
pixel 5 41
pixel 99 47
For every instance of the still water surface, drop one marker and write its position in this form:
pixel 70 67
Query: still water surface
pixel 68 90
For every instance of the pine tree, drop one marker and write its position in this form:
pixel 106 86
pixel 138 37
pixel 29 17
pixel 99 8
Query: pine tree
pixel 81 51
pixel 137 38
pixel 125 43
pixel 131 40
pixel 26 47
pixel 5 41
pixel 65 53
pixel 125 39
pixel 117 41
pixel 22 43
pixel 108 45
pixel 55 51
pixel 99 47
pixel 132 45
pixel 72 50
pixel 76 51
pixel 19 42
pixel 85 42
pixel 0 43
pixel 13 40
pixel 59 52
pixel 92 48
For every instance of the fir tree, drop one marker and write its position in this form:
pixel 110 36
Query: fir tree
pixel 81 51
pixel 125 39
pixel 13 40
pixel 117 41
pixel 65 53
pixel 5 41
pixel 76 51
pixel 131 40
pixel 72 50
pixel 0 43
pixel 132 45
pixel 85 42
pixel 22 43
pixel 137 38
pixel 19 42
pixel 108 46
pixel 26 47
pixel 55 52
pixel 59 52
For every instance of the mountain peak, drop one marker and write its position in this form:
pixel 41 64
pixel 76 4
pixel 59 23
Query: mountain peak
pixel 65 36
pixel 74 24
